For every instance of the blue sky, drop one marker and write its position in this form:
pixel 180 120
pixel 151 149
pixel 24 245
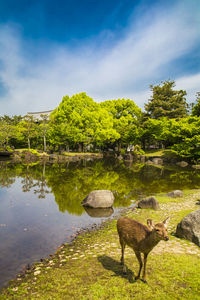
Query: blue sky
pixel 107 48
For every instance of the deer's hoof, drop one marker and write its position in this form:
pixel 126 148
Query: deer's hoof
pixel 143 280
pixel 137 277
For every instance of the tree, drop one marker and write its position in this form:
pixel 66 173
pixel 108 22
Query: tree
pixel 7 131
pixel 28 127
pixel 44 129
pixel 166 102
pixel 196 107
pixel 126 115
pixel 81 121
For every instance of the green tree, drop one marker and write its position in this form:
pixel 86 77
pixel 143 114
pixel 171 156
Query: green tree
pixel 166 102
pixel 28 128
pixel 7 131
pixel 126 115
pixel 43 128
pixel 79 120
pixel 196 107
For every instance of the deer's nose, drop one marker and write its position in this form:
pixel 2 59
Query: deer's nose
pixel 166 238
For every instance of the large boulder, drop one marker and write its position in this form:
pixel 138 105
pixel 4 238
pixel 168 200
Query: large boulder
pixel 99 199
pixel 175 194
pixel 189 227
pixel 149 202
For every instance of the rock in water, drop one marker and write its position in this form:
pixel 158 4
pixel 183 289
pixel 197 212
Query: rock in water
pixel 150 202
pixel 99 199
pixel 189 227
pixel 174 194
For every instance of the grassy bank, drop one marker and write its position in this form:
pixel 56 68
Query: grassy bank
pixel 89 268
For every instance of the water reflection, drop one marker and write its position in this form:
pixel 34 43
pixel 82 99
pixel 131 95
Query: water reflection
pixel 99 212
pixel 70 183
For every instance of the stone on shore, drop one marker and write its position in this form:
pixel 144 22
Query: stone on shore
pixel 175 194
pixel 150 202
pixel 189 227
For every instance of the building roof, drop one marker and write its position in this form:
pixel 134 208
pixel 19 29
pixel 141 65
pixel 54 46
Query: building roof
pixel 37 115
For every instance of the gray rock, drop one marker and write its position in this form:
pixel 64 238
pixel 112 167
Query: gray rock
pixel 175 194
pixel 99 199
pixel 189 227
pixel 182 164
pixel 149 202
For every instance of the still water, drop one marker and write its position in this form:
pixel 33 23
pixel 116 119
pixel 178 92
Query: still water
pixel 40 205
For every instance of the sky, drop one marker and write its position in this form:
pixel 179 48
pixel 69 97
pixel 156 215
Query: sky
pixel 109 49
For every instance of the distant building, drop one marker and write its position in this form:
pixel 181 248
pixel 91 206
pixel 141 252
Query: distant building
pixel 37 115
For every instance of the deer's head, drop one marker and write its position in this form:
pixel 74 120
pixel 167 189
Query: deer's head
pixel 159 230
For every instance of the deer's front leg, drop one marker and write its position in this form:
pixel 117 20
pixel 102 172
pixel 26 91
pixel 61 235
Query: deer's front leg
pixel 144 269
pixel 138 255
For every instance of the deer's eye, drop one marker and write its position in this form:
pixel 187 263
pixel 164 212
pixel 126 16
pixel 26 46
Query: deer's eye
pixel 157 230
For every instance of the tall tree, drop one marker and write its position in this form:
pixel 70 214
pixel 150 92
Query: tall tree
pixel 7 131
pixel 79 120
pixel 166 102
pixel 196 107
pixel 126 115
pixel 44 129
pixel 28 127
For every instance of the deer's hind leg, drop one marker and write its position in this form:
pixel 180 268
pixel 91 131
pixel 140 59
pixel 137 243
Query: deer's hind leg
pixel 123 244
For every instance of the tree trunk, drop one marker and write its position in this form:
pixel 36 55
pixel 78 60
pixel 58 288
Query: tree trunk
pixel 29 143
pixel 80 147
pixel 119 146
pixel 45 145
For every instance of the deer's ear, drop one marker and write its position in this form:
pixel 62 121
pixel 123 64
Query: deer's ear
pixel 166 221
pixel 150 223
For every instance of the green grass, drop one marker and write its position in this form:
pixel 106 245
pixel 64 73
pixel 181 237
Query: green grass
pixel 89 268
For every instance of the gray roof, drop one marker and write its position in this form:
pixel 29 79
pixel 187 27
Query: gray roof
pixel 37 115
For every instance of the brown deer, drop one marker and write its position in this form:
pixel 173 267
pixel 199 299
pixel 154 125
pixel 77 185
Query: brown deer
pixel 141 238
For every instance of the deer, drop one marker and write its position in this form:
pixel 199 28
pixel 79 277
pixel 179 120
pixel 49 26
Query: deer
pixel 141 238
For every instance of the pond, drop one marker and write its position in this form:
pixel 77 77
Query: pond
pixel 40 204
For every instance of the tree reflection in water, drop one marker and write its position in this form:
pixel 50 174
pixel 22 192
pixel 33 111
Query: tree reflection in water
pixel 71 182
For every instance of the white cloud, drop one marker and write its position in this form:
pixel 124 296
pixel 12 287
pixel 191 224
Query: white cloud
pixel 123 69
pixel 191 84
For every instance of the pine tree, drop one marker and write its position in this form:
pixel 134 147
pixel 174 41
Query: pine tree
pixel 166 102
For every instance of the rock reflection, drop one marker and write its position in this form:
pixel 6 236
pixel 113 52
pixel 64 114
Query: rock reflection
pixel 99 212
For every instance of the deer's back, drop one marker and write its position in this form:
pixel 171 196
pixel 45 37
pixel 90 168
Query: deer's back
pixel 133 233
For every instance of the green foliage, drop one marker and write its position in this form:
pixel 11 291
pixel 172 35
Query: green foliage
pixel 196 107
pixel 126 115
pixel 166 102
pixel 80 120
pixel 7 131
pixel 80 124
